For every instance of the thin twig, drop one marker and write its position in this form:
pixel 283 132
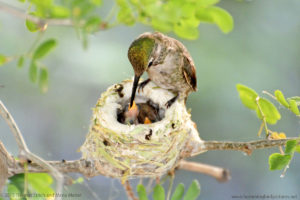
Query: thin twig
pixel 218 173
pixel 45 22
pixel 13 127
pixel 22 14
pixel 129 190
pixel 25 153
pixel 246 147
pixel 172 176
pixel 263 116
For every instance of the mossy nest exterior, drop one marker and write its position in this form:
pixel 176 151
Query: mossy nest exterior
pixel 144 150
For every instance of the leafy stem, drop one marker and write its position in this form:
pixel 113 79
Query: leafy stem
pixel 263 116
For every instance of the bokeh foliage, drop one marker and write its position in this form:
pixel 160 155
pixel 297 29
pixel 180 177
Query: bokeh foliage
pixel 178 16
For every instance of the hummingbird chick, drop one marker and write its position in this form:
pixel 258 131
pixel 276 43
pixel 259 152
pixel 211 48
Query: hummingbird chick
pixel 140 113
pixel 167 62
pixel 147 113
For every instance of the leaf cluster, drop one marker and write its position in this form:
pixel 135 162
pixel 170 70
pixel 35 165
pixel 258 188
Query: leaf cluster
pixel 269 114
pixel 159 193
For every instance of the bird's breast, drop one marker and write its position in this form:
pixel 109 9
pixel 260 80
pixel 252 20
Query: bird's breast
pixel 168 75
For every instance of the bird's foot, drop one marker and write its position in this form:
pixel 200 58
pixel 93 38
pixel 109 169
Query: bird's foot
pixel 143 84
pixel 171 101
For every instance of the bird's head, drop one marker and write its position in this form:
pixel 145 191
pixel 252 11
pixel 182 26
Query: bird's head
pixel 140 57
pixel 139 54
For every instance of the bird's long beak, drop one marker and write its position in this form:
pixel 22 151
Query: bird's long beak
pixel 134 87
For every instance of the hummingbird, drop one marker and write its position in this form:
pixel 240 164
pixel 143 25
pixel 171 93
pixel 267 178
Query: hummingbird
pixel 167 62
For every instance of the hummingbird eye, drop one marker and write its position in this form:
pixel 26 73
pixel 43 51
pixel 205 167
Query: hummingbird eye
pixel 150 63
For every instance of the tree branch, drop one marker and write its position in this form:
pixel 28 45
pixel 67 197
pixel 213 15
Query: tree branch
pixel 246 147
pixel 23 15
pixel 24 151
pixel 88 169
pixel 9 166
pixel 221 174
pixel 42 22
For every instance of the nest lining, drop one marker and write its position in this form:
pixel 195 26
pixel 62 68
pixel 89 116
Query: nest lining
pixel 145 150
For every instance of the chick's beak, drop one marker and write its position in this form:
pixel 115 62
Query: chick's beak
pixel 134 87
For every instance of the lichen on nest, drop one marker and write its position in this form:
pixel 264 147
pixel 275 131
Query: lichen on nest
pixel 143 150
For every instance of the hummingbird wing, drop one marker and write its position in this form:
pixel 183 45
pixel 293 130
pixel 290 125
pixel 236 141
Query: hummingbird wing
pixel 189 72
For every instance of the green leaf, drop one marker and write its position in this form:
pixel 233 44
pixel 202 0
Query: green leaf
pixel 41 182
pixel 206 2
pixel 278 161
pixel 216 15
pixel 248 96
pixel 290 146
pixel 96 2
pixel 293 107
pixel 158 193
pixel 187 28
pixel 18 181
pixel 20 61
pixel 79 180
pixel 268 110
pixel 60 12
pixel 92 24
pixel 3 60
pixel 297 149
pixel 141 192
pixel 33 72
pixel 222 18
pixel 296 98
pixel 44 49
pixel 31 26
pixel 186 32
pixel 178 193
pixel 193 191
pixel 13 192
pixel 161 25
pixel 43 80
pixel 281 99
pixel 125 16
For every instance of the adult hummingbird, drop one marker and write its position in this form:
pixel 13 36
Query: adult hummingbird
pixel 167 62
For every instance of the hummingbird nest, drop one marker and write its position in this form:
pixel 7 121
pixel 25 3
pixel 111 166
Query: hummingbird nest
pixel 144 150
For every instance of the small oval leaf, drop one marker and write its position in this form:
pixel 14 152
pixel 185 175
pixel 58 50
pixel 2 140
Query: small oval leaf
pixel 60 12
pixel 216 15
pixel 13 192
pixel 293 107
pixel 178 193
pixel 41 182
pixel 43 80
pixel 296 98
pixel 187 29
pixel 278 161
pixel 158 193
pixel 297 149
pixel 281 99
pixel 268 109
pixel 125 16
pixel 44 49
pixel 33 72
pixel 31 26
pixel 290 146
pixel 193 191
pixel 21 62
pixel 248 96
pixel 141 192
pixel 3 60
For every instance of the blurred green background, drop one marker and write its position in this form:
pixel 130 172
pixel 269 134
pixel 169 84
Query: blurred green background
pixel 262 52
